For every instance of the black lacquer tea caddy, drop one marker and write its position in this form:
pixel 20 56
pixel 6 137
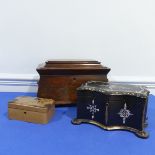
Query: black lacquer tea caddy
pixel 113 106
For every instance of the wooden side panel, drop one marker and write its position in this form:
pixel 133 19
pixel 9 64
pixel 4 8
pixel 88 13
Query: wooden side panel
pixel 30 116
pixel 62 89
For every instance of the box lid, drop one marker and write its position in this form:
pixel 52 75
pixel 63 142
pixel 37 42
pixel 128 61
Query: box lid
pixel 72 61
pixel 72 66
pixel 31 103
pixel 115 89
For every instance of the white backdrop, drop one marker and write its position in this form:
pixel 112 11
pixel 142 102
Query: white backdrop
pixel 119 33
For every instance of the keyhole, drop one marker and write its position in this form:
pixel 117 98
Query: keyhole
pixel 74 80
pixel 25 112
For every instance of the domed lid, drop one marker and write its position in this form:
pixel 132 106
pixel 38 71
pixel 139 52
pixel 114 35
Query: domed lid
pixel 72 67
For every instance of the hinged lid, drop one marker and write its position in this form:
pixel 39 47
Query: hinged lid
pixel 115 89
pixel 31 103
pixel 73 67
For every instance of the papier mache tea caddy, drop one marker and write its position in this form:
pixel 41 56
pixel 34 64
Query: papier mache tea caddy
pixel 113 106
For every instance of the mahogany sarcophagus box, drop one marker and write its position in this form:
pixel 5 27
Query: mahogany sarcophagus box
pixel 113 106
pixel 60 78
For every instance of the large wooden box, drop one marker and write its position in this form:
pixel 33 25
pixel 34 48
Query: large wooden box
pixel 60 78
pixel 30 109
pixel 113 106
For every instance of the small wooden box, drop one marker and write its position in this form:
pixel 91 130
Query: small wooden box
pixel 60 78
pixel 31 109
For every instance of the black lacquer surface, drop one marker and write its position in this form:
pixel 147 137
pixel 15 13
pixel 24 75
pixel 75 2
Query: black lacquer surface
pixel 113 110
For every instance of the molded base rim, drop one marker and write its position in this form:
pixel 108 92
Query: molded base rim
pixel 141 134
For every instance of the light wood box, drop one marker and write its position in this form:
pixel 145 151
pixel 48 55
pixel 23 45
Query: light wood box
pixel 31 109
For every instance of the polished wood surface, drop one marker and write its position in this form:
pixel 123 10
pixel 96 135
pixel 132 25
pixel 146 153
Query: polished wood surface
pixel 60 79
